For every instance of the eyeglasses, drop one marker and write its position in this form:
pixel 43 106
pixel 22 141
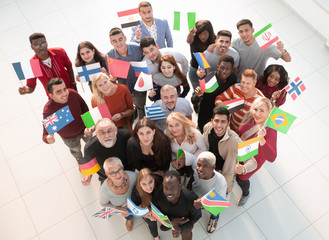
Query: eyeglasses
pixel 109 131
pixel 113 174
pixel 40 45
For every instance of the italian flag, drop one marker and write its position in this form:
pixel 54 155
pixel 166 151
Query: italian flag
pixel 94 115
pixel 266 37
pixel 209 84
pixel 233 105
pixel 248 149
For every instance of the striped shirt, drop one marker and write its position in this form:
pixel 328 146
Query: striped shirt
pixel 234 92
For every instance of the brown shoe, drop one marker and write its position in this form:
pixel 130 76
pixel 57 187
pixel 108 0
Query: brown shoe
pixel 129 225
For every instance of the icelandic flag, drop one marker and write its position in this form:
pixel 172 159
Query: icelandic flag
pixel 295 88
pixel 94 115
pixel 248 149
pixel 154 113
pixel 140 67
pixel 163 219
pixel 86 72
pixel 107 212
pixel 266 37
pixel 209 84
pixel 129 18
pixel 58 120
pixel 26 70
pixel 144 82
pixel 214 203
pixel 135 210
pixel 201 59
pixel 88 165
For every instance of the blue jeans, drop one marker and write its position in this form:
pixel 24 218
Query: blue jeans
pixel 213 216
pixel 194 79
pixel 129 217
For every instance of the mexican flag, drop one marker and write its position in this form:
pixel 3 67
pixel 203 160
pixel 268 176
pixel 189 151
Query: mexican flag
pixel 248 149
pixel 266 37
pixel 94 115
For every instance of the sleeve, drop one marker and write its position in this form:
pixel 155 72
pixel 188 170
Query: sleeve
pixel 221 185
pixel 133 35
pixel 45 114
pixel 168 36
pixel 250 165
pixel 186 89
pixel 135 197
pixel 268 150
pixel 181 59
pixel 134 154
pixel 227 95
pixel 103 198
pixel 157 89
pixel 237 59
pixel 188 108
pixel 167 157
pixel 31 82
pixel 200 143
pixel 282 99
pixel 83 104
pixel 128 99
pixel 194 215
pixel 67 61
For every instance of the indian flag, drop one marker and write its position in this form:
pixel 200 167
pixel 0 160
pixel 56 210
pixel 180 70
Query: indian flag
pixel 248 149
pixel 232 105
pixel 266 36
pixel 129 18
pixel 94 115
pixel 209 84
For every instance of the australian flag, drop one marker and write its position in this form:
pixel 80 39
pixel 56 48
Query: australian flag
pixel 58 120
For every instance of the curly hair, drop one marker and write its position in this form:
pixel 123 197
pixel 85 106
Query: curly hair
pixel 284 79
pixel 188 126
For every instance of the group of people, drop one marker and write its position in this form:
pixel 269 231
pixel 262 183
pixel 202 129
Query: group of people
pixel 140 160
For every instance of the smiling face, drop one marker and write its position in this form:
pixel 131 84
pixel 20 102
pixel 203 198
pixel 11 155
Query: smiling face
pixel 167 69
pixel 106 134
pixel 118 41
pixel 172 189
pixel 147 184
pixel 220 124
pixel 146 14
pixel 60 93
pixel 246 34
pixel 204 169
pixel 40 47
pixel 222 44
pixel 247 85
pixel 115 173
pixel 169 99
pixel 273 79
pixel 260 113
pixel 104 85
pixel 87 54
pixel 152 53
pixel 175 127
pixel 146 135
pixel 224 70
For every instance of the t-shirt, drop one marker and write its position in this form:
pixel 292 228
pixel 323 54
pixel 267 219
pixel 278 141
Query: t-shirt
pixel 213 58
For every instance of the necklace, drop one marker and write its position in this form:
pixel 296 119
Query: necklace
pixel 119 187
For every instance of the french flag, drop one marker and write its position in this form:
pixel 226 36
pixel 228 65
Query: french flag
pixel 26 70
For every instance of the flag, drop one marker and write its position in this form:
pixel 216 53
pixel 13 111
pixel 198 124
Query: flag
pixel 140 67
pixel 88 165
pixel 201 59
pixel 129 18
pixel 26 70
pixel 280 120
pixel 295 88
pixel 118 68
pixel 232 105
pixel 144 82
pixel 135 210
pixel 248 149
pixel 58 120
pixel 191 20
pixel 176 20
pixel 86 72
pixel 154 113
pixel 266 37
pixel 209 84
pixel 189 157
pixel 107 212
pixel 94 115
pixel 163 219
pixel 214 203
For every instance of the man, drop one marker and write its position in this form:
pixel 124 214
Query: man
pixel 170 102
pixel 177 204
pixel 222 47
pixel 223 143
pixel 247 90
pixel 251 56
pixel 206 179
pixel 72 133
pixel 108 142
pixel 54 62
pixel 153 55
pixel 225 79
pixel 127 52
pixel 151 27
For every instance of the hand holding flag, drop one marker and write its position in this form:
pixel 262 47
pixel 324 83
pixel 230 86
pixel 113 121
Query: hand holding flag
pixel 266 37
pixel 106 213
pixel 58 120
pixel 163 219
pixel 280 120
pixel 135 210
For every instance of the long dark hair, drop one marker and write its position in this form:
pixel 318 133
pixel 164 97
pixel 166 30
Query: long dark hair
pixel 170 58
pixel 99 57
pixel 201 26
pixel 159 140
pixel 284 79
pixel 145 197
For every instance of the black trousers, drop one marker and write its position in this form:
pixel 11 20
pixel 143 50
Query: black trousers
pixel 244 185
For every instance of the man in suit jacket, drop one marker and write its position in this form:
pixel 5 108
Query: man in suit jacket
pixel 151 27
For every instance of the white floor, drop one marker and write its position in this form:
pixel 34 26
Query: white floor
pixel 41 194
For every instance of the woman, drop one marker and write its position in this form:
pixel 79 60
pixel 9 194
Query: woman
pixel 184 135
pixel 253 126
pixel 273 81
pixel 117 187
pixel 147 183
pixel 87 54
pixel 199 38
pixel 169 73
pixel 117 98
pixel 149 147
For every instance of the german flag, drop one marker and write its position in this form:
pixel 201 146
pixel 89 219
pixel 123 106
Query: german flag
pixel 88 165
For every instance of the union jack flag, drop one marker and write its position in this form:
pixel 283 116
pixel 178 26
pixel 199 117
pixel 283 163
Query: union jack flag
pixel 50 120
pixel 295 88
pixel 106 213
pixel 58 120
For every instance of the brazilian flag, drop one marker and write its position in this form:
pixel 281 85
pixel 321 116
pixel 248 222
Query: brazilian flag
pixel 280 120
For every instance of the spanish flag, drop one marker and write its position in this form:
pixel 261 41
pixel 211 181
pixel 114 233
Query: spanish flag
pixel 88 165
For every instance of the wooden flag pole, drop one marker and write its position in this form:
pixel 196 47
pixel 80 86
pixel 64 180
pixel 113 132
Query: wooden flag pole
pixel 82 87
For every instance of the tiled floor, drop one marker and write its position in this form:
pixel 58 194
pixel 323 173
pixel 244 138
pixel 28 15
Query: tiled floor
pixel 40 192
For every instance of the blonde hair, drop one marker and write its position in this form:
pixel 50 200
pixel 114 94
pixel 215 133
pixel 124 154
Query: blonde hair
pixel 98 96
pixel 258 102
pixel 188 126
